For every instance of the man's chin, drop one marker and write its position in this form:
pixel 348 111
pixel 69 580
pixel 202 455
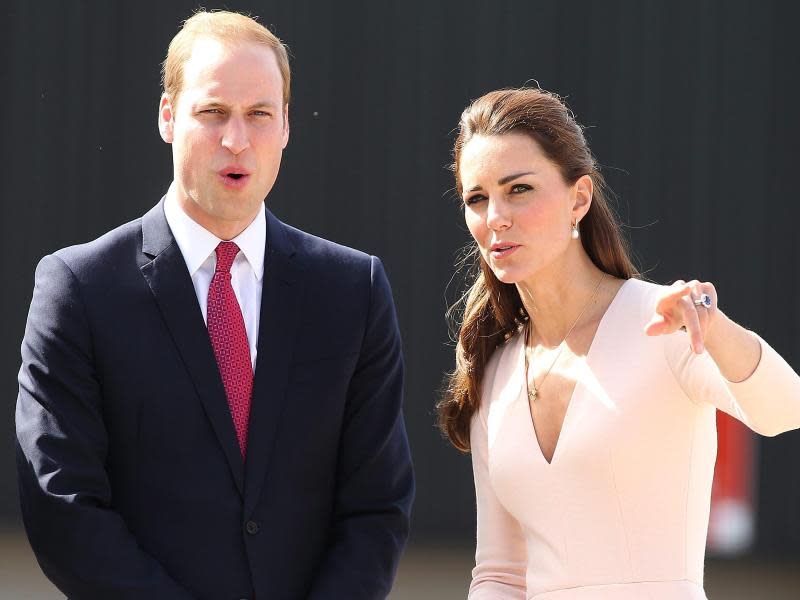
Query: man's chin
pixel 234 206
pixel 223 217
pixel 237 214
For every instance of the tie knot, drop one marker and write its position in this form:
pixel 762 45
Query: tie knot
pixel 226 253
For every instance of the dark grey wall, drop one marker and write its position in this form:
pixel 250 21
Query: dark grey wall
pixel 691 107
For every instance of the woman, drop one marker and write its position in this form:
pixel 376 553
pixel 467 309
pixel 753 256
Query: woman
pixel 589 412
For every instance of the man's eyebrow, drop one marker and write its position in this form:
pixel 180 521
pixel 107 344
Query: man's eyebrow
pixel 209 102
pixel 265 104
pixel 218 102
pixel 504 180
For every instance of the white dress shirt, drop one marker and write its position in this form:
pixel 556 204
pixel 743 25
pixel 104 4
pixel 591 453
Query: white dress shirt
pixel 198 246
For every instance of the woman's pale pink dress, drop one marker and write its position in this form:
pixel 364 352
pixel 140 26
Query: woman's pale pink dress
pixel 621 512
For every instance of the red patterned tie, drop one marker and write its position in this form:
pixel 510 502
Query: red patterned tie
pixel 229 340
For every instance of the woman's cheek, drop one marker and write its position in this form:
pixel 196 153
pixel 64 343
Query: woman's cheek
pixel 477 231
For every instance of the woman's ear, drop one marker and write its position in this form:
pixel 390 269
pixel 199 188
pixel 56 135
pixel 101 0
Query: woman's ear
pixel 583 190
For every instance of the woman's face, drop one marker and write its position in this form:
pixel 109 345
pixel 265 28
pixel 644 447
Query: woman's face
pixel 517 206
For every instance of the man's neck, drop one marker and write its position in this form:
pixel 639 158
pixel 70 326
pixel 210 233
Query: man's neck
pixel 224 229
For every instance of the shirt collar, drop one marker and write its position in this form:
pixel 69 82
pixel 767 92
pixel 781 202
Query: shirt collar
pixel 252 242
pixel 197 243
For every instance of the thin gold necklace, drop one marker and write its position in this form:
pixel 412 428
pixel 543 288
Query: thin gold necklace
pixel 534 393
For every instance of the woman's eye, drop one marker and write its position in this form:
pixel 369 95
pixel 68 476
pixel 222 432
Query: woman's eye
pixel 519 188
pixel 473 199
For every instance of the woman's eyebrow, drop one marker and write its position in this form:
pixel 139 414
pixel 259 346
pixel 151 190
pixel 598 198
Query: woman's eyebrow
pixel 507 178
pixel 503 180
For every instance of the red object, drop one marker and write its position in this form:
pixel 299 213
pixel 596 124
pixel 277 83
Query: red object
pixel 733 475
pixel 732 522
pixel 229 341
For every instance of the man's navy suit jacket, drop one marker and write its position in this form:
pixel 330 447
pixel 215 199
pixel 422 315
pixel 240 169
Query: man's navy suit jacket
pixel 131 480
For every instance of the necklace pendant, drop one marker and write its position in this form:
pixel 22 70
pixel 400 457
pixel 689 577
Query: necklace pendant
pixel 532 394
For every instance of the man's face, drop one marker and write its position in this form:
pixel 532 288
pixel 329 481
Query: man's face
pixel 228 128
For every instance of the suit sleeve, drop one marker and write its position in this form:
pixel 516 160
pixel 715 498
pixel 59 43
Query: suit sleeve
pixel 375 482
pixel 83 546
pixel 768 401
pixel 500 553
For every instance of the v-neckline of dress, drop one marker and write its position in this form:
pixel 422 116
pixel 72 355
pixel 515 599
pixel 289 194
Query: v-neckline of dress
pixel 521 358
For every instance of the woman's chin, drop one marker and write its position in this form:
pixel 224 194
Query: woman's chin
pixel 506 276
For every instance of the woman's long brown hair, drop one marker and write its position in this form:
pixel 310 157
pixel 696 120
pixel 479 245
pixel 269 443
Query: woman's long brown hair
pixel 492 310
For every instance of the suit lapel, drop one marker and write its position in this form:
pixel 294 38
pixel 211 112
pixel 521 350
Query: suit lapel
pixel 172 287
pixel 280 311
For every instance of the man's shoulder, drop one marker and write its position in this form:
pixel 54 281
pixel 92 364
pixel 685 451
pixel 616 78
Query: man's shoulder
pixel 317 252
pixel 104 252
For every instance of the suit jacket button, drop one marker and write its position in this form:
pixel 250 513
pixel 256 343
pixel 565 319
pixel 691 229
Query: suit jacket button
pixel 252 527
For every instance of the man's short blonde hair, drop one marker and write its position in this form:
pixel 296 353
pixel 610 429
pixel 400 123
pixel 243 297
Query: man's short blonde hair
pixel 226 27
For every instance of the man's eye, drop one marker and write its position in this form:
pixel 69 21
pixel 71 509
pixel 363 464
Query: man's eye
pixel 212 111
pixel 520 188
pixel 261 113
pixel 474 199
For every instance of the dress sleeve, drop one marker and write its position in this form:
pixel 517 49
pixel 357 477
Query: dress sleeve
pixel 500 555
pixel 768 401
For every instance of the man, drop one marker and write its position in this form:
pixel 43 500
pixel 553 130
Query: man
pixel 210 400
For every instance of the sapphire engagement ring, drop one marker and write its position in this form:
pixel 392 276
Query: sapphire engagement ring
pixel 704 301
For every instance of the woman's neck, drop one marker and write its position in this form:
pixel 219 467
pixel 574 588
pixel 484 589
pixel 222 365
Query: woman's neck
pixel 556 297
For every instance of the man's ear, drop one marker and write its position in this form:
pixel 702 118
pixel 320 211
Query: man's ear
pixel 285 125
pixel 166 118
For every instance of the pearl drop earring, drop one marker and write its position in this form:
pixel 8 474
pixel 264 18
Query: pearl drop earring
pixel 575 233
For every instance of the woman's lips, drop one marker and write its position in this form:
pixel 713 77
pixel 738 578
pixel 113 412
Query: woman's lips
pixel 503 251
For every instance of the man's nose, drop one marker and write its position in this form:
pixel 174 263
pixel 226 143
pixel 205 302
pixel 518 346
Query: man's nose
pixel 497 217
pixel 234 136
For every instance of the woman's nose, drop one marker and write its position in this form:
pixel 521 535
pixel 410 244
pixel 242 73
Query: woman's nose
pixel 497 217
